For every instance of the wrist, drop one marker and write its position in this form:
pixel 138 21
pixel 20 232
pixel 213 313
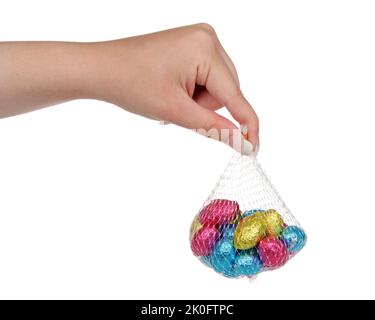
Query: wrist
pixel 103 71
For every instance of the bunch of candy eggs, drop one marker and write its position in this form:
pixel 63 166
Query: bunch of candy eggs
pixel 238 244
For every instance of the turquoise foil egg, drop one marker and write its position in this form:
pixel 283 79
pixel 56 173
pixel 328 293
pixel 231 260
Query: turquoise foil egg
pixel 206 260
pixel 248 263
pixel 222 258
pixel 251 212
pixel 228 231
pixel 294 238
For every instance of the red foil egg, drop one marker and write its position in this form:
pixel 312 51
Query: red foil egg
pixel 273 252
pixel 219 211
pixel 204 240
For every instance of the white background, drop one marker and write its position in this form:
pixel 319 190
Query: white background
pixel 88 211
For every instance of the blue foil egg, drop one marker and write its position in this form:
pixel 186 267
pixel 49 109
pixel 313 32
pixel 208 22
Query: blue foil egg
pixel 231 273
pixel 248 263
pixel 228 231
pixel 250 212
pixel 206 260
pixel 223 256
pixel 294 238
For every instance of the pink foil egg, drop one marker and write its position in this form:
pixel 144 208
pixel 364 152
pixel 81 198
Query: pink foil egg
pixel 219 211
pixel 273 252
pixel 204 240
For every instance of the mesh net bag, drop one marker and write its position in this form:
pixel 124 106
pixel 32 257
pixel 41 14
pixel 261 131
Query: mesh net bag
pixel 244 227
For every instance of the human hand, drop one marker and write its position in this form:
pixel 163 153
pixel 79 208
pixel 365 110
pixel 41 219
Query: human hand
pixel 180 76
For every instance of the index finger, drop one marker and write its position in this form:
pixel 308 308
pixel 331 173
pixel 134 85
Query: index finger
pixel 221 84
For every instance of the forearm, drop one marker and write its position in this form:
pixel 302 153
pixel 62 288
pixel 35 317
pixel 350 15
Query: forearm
pixel 34 75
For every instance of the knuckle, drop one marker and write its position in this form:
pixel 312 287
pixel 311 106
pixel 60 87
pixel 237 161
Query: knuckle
pixel 234 95
pixel 204 34
pixel 206 26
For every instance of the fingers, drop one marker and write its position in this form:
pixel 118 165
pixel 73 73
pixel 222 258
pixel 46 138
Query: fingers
pixel 230 64
pixel 205 99
pixel 244 113
pixel 207 122
pixel 222 85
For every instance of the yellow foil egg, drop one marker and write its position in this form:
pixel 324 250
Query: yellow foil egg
pixel 249 232
pixel 274 222
pixel 195 226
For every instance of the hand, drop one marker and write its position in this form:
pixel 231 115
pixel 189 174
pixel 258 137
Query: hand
pixel 180 76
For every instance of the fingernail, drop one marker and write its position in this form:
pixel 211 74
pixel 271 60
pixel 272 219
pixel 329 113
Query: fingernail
pixel 244 129
pixel 247 148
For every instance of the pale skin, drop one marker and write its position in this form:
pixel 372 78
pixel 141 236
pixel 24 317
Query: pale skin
pixel 180 76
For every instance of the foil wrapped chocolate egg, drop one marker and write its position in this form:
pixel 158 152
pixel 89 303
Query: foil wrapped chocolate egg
pixel 274 222
pixel 206 260
pixel 204 240
pixel 249 232
pixel 237 218
pixel 251 212
pixel 219 211
pixel 222 258
pixel 195 226
pixel 227 231
pixel 248 263
pixel 294 238
pixel 273 252
pixel 230 273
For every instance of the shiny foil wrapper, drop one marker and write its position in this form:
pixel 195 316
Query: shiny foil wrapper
pixel 204 240
pixel 248 263
pixel 223 257
pixel 206 260
pixel 219 211
pixel 237 219
pixel 294 238
pixel 273 252
pixel 227 231
pixel 251 212
pixel 195 226
pixel 249 232
pixel 274 222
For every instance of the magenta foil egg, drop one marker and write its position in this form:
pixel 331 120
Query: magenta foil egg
pixel 204 240
pixel 219 211
pixel 273 252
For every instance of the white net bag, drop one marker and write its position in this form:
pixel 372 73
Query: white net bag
pixel 244 227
